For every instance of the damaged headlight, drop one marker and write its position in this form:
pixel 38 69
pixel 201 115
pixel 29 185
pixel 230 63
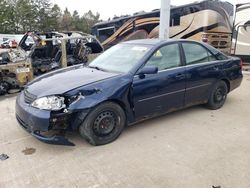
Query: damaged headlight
pixel 53 103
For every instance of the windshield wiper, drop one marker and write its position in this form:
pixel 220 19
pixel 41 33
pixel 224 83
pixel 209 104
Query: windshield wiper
pixel 97 68
pixel 94 67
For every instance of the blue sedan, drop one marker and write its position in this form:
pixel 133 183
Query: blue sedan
pixel 130 82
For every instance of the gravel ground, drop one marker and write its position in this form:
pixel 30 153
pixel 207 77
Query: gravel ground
pixel 195 147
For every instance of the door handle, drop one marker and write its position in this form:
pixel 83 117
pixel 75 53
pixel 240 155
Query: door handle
pixel 180 76
pixel 216 68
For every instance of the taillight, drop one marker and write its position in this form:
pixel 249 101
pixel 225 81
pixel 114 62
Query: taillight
pixel 204 38
pixel 241 64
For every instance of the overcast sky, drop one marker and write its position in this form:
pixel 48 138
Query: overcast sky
pixel 109 8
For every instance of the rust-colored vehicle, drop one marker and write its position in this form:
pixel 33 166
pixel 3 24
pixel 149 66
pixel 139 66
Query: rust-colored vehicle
pixel 15 70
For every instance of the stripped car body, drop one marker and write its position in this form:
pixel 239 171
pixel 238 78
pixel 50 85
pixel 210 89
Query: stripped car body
pixel 142 92
pixel 52 50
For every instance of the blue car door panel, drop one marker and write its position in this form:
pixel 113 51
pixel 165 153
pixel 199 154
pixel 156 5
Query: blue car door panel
pixel 202 71
pixel 200 80
pixel 159 93
pixel 163 91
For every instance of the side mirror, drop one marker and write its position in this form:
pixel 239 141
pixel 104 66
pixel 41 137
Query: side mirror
pixel 149 69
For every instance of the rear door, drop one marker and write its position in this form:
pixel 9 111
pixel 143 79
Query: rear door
pixel 163 91
pixel 202 71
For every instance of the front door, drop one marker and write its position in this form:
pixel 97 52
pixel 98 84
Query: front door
pixel 163 91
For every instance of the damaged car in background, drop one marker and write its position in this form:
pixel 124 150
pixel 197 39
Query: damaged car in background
pixel 52 50
pixel 15 71
pixel 130 82
pixel 41 52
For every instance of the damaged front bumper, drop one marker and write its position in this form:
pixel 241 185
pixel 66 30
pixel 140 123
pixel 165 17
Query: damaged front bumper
pixel 39 123
pixel 55 139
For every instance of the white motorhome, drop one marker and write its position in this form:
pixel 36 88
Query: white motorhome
pixel 241 32
pixel 209 21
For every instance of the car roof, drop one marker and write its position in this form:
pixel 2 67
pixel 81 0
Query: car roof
pixel 156 42
pixel 147 41
pixel 159 42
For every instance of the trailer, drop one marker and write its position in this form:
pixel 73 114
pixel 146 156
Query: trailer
pixel 241 32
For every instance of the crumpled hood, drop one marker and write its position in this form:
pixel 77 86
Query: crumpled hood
pixel 63 80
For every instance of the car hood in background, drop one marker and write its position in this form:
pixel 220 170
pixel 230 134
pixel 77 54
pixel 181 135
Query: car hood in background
pixel 63 80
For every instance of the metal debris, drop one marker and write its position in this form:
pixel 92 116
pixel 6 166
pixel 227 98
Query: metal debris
pixel 3 157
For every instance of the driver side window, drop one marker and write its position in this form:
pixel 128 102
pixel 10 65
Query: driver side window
pixel 166 57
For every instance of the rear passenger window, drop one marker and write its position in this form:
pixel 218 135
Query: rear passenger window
pixel 221 56
pixel 196 54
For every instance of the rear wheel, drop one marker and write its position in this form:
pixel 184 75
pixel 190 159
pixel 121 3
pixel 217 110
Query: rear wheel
pixel 218 96
pixel 104 124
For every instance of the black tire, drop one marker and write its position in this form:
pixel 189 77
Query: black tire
pixel 218 96
pixel 103 124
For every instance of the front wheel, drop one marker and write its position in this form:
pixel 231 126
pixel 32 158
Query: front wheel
pixel 218 96
pixel 104 124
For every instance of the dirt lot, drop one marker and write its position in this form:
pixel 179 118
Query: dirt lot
pixel 195 147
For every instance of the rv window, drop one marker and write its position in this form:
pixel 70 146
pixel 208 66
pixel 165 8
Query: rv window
pixel 105 33
pixel 175 21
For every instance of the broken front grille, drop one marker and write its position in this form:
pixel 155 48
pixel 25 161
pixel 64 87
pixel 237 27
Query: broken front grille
pixel 28 97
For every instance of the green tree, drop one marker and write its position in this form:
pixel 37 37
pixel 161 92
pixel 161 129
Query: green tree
pixel 4 22
pixel 11 17
pixel 77 25
pixel 54 18
pixel 90 20
pixel 19 16
pixel 42 14
pixel 25 15
pixel 66 23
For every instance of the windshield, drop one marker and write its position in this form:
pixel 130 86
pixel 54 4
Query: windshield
pixel 120 58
